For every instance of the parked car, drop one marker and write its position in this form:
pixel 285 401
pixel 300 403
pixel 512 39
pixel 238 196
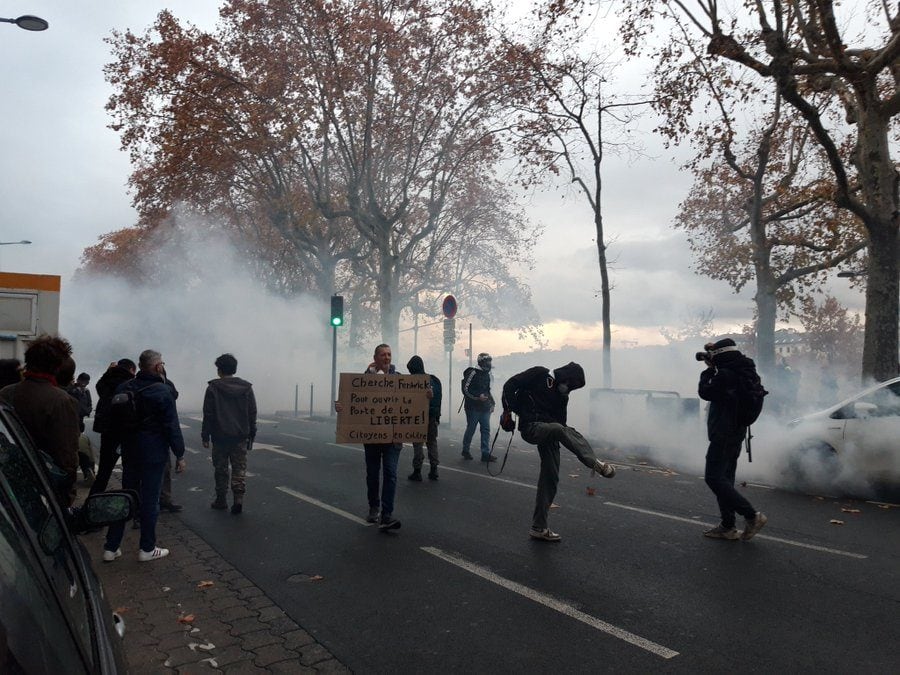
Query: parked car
pixel 851 444
pixel 53 615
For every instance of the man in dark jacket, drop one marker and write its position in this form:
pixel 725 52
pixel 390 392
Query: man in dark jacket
pixel 718 385
pixel 145 451
pixel 417 367
pixel 229 420
pixel 479 404
pixel 110 439
pixel 542 402
pixel 48 413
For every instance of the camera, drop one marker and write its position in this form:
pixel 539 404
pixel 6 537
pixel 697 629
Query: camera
pixel 703 356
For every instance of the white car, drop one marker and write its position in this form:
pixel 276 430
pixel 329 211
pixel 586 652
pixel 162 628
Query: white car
pixel 854 444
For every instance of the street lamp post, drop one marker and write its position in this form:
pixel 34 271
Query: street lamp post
pixel 13 243
pixel 28 22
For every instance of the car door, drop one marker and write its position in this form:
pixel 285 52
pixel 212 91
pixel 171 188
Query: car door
pixel 872 434
pixel 45 614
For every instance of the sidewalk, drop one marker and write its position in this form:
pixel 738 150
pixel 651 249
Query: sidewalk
pixel 193 612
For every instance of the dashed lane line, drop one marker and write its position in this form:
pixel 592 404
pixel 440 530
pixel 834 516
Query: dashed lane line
pixel 554 604
pixel 277 449
pixel 789 542
pixel 323 505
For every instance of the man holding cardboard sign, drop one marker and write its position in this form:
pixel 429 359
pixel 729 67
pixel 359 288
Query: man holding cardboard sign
pixel 382 410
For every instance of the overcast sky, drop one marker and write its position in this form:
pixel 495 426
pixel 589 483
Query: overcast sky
pixel 64 184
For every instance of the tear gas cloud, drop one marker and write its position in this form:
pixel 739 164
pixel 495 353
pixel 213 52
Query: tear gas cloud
pixel 208 305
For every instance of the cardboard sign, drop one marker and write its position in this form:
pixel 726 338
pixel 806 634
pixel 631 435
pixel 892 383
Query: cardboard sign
pixel 382 408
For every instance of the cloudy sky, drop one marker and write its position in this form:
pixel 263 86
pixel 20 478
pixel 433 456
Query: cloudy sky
pixel 64 184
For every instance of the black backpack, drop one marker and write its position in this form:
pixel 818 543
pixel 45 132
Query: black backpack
pixel 125 411
pixel 750 392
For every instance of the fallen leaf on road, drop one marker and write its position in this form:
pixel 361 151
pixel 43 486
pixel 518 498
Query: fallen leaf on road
pixel 205 584
pixel 121 610
pixel 166 589
pixel 554 506
pixel 849 510
pixel 186 618
pixel 573 475
pixel 317 577
pixel 835 521
pixel 591 491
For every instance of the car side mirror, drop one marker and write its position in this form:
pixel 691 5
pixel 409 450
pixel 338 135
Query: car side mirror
pixel 105 508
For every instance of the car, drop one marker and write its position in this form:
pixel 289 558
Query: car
pixel 853 445
pixel 53 615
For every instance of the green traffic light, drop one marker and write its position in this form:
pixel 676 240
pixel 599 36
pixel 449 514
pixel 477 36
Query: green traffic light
pixel 336 321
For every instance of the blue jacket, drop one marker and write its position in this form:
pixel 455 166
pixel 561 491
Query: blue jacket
pixel 160 429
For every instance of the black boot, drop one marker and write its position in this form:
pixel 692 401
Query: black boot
pixel 220 503
pixel 433 474
pixel 416 475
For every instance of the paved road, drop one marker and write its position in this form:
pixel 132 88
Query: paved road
pixel 633 586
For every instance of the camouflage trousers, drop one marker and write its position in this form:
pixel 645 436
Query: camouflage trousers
pixel 233 453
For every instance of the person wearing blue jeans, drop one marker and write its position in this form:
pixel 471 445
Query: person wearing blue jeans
pixel 381 458
pixel 145 450
pixel 479 404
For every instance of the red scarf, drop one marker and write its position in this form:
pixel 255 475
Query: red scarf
pixel 41 376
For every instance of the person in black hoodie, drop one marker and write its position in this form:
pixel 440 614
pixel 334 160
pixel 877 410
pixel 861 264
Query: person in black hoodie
pixel 417 367
pixel 229 420
pixel 541 400
pixel 118 372
pixel 718 385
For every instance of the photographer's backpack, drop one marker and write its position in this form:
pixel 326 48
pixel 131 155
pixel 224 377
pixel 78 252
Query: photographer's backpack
pixel 750 393
pixel 125 414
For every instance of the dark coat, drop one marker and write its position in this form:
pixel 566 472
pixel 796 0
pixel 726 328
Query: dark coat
pixel 718 385
pixel 540 400
pixel 106 386
pixel 160 429
pixel 229 410
pixel 51 417
pixel 475 383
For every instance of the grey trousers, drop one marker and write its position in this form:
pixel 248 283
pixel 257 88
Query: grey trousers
pixel 431 444
pixel 548 436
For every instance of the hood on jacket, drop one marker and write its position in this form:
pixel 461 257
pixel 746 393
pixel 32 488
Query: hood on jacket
pixel 230 386
pixel 416 366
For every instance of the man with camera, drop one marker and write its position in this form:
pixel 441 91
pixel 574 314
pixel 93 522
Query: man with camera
pixel 719 385
pixel 541 400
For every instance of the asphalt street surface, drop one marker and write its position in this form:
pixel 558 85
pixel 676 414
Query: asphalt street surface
pixel 632 587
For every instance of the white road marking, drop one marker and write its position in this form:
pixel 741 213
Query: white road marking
pixel 554 604
pixel 193 451
pixel 302 438
pixel 183 426
pixel 277 449
pixel 262 421
pixel 790 542
pixel 323 505
pixel 194 417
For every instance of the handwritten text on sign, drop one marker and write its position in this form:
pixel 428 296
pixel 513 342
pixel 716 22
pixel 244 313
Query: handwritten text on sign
pixel 382 408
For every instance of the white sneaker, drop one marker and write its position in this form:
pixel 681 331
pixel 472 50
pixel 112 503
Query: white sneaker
pixel 109 556
pixel 544 535
pixel 155 554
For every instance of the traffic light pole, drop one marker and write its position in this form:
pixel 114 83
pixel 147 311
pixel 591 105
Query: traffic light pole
pixel 333 369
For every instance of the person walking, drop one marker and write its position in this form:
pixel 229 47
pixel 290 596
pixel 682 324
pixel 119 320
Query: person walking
pixel 417 367
pixel 541 401
pixel 229 421
pixel 718 385
pixel 146 446
pixel 479 404
pixel 117 373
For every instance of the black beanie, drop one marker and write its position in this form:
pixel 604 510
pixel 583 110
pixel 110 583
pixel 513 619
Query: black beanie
pixel 725 342
pixel 416 366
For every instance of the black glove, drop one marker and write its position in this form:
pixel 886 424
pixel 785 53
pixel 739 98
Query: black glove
pixel 507 423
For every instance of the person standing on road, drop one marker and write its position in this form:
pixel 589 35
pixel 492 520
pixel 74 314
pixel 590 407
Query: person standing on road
pixel 718 385
pixel 381 458
pixel 145 451
pixel 417 367
pixel 117 373
pixel 166 502
pixel 47 412
pixel 479 404
pixel 542 400
pixel 229 420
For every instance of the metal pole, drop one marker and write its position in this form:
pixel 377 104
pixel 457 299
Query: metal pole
pixel 310 399
pixel 333 370
pixel 470 344
pixel 416 333
pixel 450 389
pixel 296 399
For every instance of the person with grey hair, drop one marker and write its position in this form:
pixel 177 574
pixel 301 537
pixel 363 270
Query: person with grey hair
pixel 145 449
